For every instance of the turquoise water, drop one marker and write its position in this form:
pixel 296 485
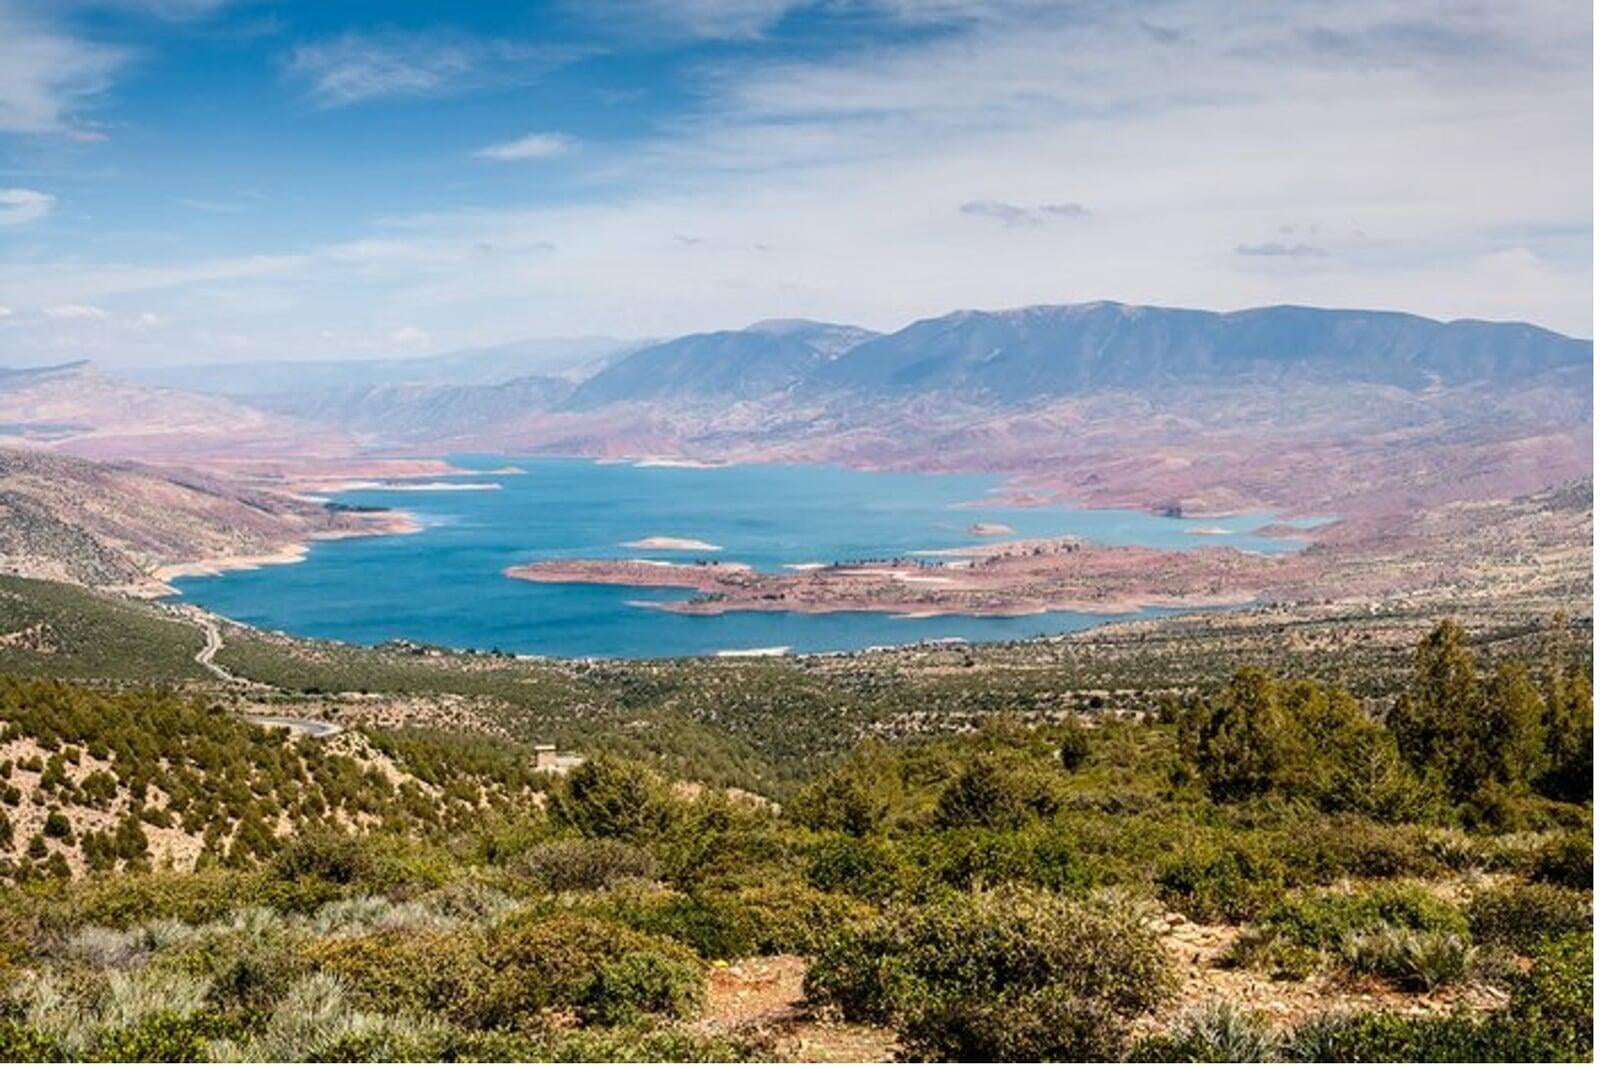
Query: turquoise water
pixel 444 585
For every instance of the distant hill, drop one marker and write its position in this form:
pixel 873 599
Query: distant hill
pixel 83 521
pixel 724 365
pixel 76 407
pixel 569 358
pixel 407 411
pixel 1051 351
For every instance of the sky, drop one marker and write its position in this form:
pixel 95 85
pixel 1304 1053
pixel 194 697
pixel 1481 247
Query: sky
pixel 199 181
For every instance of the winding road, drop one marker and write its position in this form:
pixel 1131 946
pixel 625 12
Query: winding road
pixel 207 659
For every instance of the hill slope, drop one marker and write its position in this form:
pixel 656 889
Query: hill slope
pixel 116 524
pixel 740 365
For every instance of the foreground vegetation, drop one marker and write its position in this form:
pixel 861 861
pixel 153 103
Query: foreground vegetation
pixel 1010 892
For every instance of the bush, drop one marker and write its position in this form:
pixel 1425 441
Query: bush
pixel 1390 1037
pixel 975 858
pixel 1220 885
pixel 1006 975
pixel 1216 1032
pixel 990 794
pixel 398 972
pixel 794 919
pixel 1552 1006
pixel 873 869
pixel 641 982
pixel 1422 960
pixel 1521 916
pixel 1323 920
pixel 576 963
pixel 332 857
pixel 842 802
pixel 1568 861
pixel 584 864
pixel 1077 745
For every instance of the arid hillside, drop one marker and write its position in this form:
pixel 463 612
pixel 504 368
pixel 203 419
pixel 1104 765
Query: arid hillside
pixel 66 518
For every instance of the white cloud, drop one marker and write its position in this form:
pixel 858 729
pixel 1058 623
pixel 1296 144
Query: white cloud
pixel 150 319
pixel 6 313
pixel 46 74
pixel 23 206
pixel 529 147
pixel 411 337
pixel 353 68
pixel 74 311
pixel 1445 156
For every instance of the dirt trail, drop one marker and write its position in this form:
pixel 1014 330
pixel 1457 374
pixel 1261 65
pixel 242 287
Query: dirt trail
pixel 764 998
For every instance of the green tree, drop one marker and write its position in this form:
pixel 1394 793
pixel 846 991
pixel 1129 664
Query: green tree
pixel 609 797
pixel 1244 741
pixel 1076 745
pixel 989 794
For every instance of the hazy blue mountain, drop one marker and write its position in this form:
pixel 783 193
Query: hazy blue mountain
pixel 723 365
pixel 1021 354
pixel 408 411
pixel 570 358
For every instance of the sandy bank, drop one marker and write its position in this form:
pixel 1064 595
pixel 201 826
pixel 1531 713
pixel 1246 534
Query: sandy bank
pixel 371 525
pixel 666 542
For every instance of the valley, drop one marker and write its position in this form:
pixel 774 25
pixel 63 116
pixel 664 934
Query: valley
pixel 1223 600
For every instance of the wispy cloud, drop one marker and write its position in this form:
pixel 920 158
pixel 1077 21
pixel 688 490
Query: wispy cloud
pixel 1017 214
pixel 1278 248
pixel 214 207
pixel 75 311
pixel 529 147
pixel 353 68
pixel 46 73
pixel 23 206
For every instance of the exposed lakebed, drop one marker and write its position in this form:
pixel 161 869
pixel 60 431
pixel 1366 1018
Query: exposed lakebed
pixel 445 584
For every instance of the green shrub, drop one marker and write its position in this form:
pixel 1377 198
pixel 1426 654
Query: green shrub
pixel 332 857
pixel 1419 959
pixel 1077 744
pixel 795 919
pixel 843 802
pixel 1013 974
pixel 714 925
pixel 406 972
pixel 975 858
pixel 583 864
pixel 636 1043
pixel 1324 919
pixel 551 964
pixel 1568 861
pixel 989 793
pixel 158 1038
pixel 1215 1032
pixel 873 869
pixel 1521 916
pixel 1391 1037
pixel 21 1043
pixel 641 982
pixel 57 826
pixel 1220 885
pixel 1552 1007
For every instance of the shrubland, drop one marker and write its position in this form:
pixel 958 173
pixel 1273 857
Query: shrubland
pixel 1005 892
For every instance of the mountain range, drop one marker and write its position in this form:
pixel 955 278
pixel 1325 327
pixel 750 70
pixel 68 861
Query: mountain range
pixel 1107 403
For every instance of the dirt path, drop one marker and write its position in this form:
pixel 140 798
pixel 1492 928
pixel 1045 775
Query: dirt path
pixel 764 998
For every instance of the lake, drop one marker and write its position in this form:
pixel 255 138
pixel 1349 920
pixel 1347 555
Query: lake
pixel 444 585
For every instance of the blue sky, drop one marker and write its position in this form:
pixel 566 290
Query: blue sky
pixel 213 180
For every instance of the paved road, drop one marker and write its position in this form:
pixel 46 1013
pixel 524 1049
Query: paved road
pixel 207 659
pixel 316 729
